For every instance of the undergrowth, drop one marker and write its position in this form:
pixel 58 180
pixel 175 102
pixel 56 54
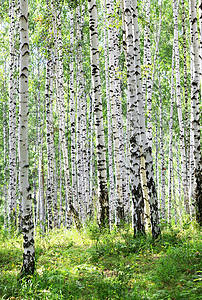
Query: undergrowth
pixel 105 265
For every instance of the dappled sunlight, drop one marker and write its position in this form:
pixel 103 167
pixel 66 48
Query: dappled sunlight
pixel 71 265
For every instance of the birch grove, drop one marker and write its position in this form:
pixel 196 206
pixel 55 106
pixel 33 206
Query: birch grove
pixel 113 136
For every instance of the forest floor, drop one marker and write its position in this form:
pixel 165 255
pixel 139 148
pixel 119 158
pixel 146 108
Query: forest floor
pixel 89 265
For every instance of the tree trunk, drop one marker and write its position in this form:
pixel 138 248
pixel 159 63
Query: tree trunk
pixel 103 200
pixel 27 219
pixel 147 151
pixel 109 123
pixel 195 121
pixel 179 107
pixel 12 123
pixel 136 188
pixel 61 108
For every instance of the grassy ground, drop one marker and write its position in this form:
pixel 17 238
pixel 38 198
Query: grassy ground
pixel 89 265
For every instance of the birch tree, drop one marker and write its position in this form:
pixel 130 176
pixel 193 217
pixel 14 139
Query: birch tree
pixel 61 109
pixel 136 188
pixel 109 124
pixel 179 106
pixel 195 122
pixel 12 122
pixel 28 266
pixel 103 200
pixel 147 150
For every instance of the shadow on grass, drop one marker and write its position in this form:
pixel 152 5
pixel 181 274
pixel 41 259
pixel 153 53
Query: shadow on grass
pixel 112 268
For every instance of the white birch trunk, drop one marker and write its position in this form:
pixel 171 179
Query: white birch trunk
pixel 41 200
pixel 72 112
pixel 5 167
pixel 147 151
pixel 48 93
pixel 109 123
pixel 12 123
pixel 103 200
pixel 136 188
pixel 170 159
pixel 163 203
pixel 61 109
pixel 27 221
pixel 195 104
pixel 200 26
pixel 113 85
pixel 179 107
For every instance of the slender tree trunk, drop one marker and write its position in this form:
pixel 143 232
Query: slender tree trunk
pixel 195 121
pixel 156 160
pixel 27 219
pixel 179 184
pixel 60 176
pixel 170 159
pixel 109 123
pixel 147 151
pixel 41 200
pixel 200 26
pixel 48 94
pixel 12 123
pixel 103 200
pixel 186 100
pixel 136 188
pixel 179 107
pixel 72 112
pixel 113 86
pixel 174 198
pixel 163 202
pixel 61 108
pixel 5 166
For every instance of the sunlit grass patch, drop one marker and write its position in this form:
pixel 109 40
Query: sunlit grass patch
pixel 107 265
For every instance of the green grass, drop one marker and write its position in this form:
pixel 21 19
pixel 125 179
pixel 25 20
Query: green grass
pixel 89 265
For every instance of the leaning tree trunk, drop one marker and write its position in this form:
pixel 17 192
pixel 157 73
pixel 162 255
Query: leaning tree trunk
pixel 103 211
pixel 27 220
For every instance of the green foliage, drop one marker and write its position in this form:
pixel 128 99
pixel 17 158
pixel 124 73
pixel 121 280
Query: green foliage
pixel 105 265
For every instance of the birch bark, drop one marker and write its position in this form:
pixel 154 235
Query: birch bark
pixel 41 200
pixel 48 93
pixel 136 188
pixel 5 167
pixel 163 204
pixel 12 123
pixel 195 102
pixel 72 111
pixel 179 106
pixel 170 159
pixel 103 200
pixel 147 151
pixel 61 108
pixel 27 221
pixel 109 123
pixel 113 85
